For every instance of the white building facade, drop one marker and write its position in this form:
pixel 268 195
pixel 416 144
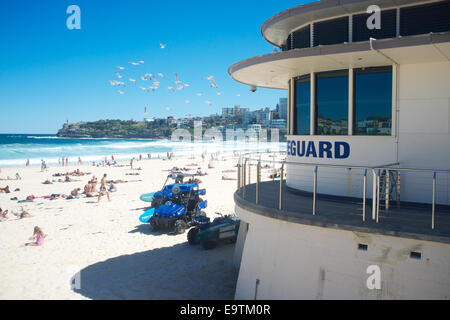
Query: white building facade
pixel 367 89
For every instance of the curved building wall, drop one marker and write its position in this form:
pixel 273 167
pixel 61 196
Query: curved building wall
pixel 283 260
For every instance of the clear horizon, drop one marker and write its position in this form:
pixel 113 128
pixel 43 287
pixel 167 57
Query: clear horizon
pixel 51 74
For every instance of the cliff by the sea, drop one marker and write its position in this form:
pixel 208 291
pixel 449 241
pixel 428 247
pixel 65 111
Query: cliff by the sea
pixel 116 129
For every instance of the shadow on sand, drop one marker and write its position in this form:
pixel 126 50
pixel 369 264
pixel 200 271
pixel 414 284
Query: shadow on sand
pixel 173 273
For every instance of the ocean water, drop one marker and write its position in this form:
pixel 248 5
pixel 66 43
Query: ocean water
pixel 15 149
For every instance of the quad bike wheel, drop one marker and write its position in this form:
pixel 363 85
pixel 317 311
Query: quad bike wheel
pixel 191 236
pixel 154 226
pixel 208 245
pixel 179 227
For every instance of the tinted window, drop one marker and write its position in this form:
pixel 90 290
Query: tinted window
pixel 424 19
pixel 331 31
pixel 332 103
pixel 302 108
pixel 302 38
pixel 373 101
pixel 388 23
pixel 288 44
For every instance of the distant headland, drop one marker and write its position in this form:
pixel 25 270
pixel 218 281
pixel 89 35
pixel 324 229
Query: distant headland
pixel 157 128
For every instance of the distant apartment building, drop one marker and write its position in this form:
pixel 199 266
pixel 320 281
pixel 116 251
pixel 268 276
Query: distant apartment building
pixel 278 124
pixel 282 108
pixel 234 112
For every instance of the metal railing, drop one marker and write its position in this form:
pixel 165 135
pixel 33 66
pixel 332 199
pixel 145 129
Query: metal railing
pixel 388 171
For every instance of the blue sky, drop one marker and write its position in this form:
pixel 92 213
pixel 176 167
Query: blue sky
pixel 49 74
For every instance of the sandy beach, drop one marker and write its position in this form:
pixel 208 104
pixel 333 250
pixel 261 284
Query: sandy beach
pixel 101 247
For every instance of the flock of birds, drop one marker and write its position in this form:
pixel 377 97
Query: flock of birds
pixel 156 82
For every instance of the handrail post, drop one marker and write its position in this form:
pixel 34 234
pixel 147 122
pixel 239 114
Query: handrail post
pixel 387 187
pixel 315 191
pixel 374 195
pixel 364 194
pixel 398 187
pixel 249 171
pixel 281 187
pixel 434 201
pixel 244 176
pixel 239 176
pixel 378 194
pixel 258 180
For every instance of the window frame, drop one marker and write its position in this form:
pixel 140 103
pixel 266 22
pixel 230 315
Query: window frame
pixel 372 70
pixel 294 109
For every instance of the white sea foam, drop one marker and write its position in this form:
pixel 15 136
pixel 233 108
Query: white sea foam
pixel 17 154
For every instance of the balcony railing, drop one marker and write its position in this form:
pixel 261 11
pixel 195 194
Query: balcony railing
pixel 386 182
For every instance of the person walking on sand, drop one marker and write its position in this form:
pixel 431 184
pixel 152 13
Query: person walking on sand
pixel 103 189
pixel 131 163
pixel 38 235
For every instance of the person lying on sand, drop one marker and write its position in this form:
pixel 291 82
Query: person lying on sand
pixel 38 235
pixel 47 182
pixel 112 187
pixel 5 190
pixel 210 165
pixel 228 178
pixel 23 214
pixel 74 192
pixel 275 174
pixel 200 173
pixel 117 181
pixel 3 214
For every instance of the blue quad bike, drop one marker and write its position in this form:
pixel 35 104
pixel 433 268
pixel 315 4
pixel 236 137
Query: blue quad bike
pixel 175 206
pixel 210 234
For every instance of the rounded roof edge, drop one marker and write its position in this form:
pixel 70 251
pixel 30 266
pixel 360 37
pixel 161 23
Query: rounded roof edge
pixel 277 29
pixel 275 69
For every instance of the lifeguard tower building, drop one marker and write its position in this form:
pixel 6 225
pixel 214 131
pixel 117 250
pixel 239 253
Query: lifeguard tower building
pixel 360 209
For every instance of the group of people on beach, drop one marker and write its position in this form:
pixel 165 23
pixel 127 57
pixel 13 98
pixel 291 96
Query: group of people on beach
pixel 91 186
pixel 20 215
pixel 38 235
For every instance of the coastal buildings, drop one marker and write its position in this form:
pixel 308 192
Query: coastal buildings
pixel 282 108
pixel 363 212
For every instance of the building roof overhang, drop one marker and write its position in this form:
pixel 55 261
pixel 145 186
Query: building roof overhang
pixel 274 70
pixel 277 29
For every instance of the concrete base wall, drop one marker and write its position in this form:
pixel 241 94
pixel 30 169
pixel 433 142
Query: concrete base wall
pixel 282 260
